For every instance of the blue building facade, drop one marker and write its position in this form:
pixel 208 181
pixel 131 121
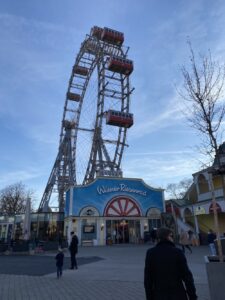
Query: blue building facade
pixel 115 210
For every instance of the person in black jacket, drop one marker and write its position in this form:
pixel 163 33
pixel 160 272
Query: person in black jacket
pixel 211 238
pixel 166 271
pixel 59 262
pixel 73 250
pixel 153 235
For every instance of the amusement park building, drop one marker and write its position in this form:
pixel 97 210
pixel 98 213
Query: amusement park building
pixel 112 210
pixel 108 210
pixel 196 208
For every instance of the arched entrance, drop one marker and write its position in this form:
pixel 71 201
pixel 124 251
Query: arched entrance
pixel 154 218
pixel 123 225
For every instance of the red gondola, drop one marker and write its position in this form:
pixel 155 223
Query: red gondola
pixel 96 31
pixel 118 118
pixel 80 70
pixel 73 97
pixel 120 65
pixel 112 36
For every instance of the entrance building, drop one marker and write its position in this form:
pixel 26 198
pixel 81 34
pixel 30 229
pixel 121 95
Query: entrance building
pixel 113 210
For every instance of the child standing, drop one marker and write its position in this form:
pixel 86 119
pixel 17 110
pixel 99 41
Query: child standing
pixel 59 262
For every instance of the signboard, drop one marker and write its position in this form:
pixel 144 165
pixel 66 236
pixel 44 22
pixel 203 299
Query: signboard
pixel 89 229
pixel 199 210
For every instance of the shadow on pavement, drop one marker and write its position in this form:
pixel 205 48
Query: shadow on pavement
pixel 37 265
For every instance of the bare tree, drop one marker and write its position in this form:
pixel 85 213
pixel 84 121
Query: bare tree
pixel 13 199
pixel 178 190
pixel 203 91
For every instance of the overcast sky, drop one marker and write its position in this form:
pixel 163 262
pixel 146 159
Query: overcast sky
pixel 39 43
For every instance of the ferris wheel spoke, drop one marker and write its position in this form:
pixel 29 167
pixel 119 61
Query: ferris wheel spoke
pixel 85 129
pixel 128 212
pixel 120 207
pixel 116 210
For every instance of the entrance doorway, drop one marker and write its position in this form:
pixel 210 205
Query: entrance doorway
pixel 154 223
pixel 123 231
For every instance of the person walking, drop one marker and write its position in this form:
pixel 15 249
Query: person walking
pixel 59 262
pixel 153 235
pixel 185 241
pixel 193 238
pixel 166 273
pixel 211 237
pixel 73 250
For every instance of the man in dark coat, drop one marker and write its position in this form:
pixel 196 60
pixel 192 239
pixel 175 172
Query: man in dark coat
pixel 211 237
pixel 73 250
pixel 166 271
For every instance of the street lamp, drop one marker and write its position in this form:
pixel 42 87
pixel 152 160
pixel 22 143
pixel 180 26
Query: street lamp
pixel 216 170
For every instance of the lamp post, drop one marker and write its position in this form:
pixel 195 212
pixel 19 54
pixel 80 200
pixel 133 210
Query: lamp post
pixel 175 218
pixel 26 222
pixel 215 214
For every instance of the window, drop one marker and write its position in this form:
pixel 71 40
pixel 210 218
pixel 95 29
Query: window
pixel 203 184
pixel 89 229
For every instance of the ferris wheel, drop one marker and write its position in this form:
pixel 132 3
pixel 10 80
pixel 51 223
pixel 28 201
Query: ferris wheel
pixel 97 105
pixel 96 113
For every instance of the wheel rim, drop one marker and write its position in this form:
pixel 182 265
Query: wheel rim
pixel 122 207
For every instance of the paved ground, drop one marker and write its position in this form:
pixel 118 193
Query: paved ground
pixel 106 273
